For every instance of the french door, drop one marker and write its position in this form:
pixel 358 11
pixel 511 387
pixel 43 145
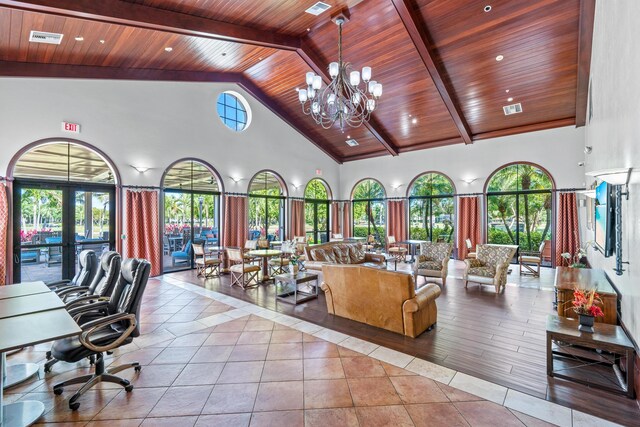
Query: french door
pixel 54 222
pixel 316 218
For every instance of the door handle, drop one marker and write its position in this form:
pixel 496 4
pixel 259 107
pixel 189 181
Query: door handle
pixel 16 259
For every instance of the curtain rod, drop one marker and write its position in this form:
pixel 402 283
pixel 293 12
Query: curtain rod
pixel 140 187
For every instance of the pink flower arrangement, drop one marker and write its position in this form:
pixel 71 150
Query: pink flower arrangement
pixel 584 302
pixel 27 236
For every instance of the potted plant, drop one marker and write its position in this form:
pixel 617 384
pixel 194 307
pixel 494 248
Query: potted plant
pixel 577 260
pixel 294 264
pixel 584 304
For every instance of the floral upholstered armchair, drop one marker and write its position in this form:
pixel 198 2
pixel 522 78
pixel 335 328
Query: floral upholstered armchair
pixel 433 260
pixel 490 266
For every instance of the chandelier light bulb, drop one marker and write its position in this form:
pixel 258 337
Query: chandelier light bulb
pixel 333 69
pixel 317 82
pixel 331 99
pixel 311 93
pixel 315 107
pixel 354 78
pixel 377 90
pixel 309 78
pixel 355 99
pixel 366 74
pixel 371 104
pixel 372 84
pixel 302 95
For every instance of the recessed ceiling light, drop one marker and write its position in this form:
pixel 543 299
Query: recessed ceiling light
pixel 79 38
pixel 509 99
pixel 507 91
pixel 348 136
pixel 168 49
pixel 101 41
pixel 297 89
pixel 308 29
pixel 414 120
pixel 487 8
pixel 410 115
pixel 260 58
pixel 499 58
pixel 224 54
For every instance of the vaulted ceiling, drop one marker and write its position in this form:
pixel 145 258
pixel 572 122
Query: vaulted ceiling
pixel 435 58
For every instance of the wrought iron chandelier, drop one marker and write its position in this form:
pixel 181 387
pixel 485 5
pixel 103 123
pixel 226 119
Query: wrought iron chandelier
pixel 343 100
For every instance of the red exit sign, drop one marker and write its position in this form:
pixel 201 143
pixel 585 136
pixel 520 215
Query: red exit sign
pixel 71 127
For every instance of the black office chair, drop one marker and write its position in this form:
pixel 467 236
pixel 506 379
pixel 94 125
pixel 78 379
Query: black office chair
pixel 106 333
pixel 88 268
pixel 101 288
pixel 102 284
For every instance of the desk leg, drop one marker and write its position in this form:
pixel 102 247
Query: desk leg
pixel 15 374
pixel 631 391
pixel 549 356
pixel 20 414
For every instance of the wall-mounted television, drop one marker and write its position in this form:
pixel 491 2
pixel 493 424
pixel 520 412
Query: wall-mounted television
pixel 604 219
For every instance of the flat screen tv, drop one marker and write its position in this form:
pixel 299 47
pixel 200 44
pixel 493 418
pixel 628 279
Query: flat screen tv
pixel 604 217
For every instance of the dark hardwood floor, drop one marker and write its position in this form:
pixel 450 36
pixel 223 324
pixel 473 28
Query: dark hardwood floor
pixel 499 338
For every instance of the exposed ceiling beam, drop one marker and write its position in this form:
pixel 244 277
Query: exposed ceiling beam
pixel 569 121
pixel 140 16
pixel 585 41
pixel 422 42
pixel 317 65
pixel 27 69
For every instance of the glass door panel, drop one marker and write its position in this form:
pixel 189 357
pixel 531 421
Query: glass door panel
pixel 205 219
pixel 92 222
pixel 177 230
pixel 534 224
pixel 274 213
pixel 322 222
pixel 442 229
pixel 419 219
pixel 360 219
pixel 502 219
pixel 38 253
pixel 309 222
pixel 377 221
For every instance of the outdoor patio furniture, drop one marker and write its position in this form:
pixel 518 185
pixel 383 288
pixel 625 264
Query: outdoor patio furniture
pixel 254 234
pixel 242 271
pixel 183 256
pixel 433 260
pixel 279 265
pixel 337 237
pixel 166 245
pixel 395 250
pixel 29 256
pixel 205 265
pixel 531 261
pixel 54 253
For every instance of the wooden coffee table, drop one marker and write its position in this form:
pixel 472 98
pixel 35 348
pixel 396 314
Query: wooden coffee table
pixel 288 287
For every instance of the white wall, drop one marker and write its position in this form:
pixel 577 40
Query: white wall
pixel 155 123
pixel 613 132
pixel 557 150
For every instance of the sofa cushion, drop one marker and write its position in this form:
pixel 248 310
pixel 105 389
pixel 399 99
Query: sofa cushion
pixel 341 253
pixel 430 265
pixel 323 255
pixel 357 253
pixel 486 271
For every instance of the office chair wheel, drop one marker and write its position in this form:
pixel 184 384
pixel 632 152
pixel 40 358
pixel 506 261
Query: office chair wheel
pixel 49 356
pixel 92 360
pixel 58 391
pixel 138 368
pixel 128 388
pixel 74 405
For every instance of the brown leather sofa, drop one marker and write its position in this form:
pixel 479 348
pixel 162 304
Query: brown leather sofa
pixel 386 299
pixel 339 253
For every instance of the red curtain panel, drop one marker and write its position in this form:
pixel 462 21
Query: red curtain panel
pixel 468 224
pixel 4 224
pixel 142 228
pixel 397 220
pixel 235 221
pixel 335 218
pixel 567 231
pixel 296 226
pixel 346 220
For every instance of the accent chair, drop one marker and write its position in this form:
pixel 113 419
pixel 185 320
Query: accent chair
pixel 490 266
pixel 433 260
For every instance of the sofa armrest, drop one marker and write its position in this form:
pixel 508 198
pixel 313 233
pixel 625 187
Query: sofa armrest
pixel 423 297
pixel 471 262
pixel 369 257
pixel 328 297
pixel 501 268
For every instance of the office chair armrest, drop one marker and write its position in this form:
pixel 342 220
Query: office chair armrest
pixel 90 327
pixel 69 290
pixel 57 283
pixel 84 300
pixel 87 308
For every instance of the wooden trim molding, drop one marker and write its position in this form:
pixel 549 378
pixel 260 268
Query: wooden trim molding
pixel 585 42
pixel 140 16
pixel 422 41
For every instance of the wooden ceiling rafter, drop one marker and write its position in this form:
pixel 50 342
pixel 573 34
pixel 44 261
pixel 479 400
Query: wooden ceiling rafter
pixel 585 41
pixel 421 40
pixel 314 61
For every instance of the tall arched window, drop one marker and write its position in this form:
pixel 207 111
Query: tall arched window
pixel 316 211
pixel 266 206
pixel 191 191
pixel 64 200
pixel 519 205
pixel 431 208
pixel 369 210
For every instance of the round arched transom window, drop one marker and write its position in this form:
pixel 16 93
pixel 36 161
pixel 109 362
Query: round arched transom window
pixel 431 208
pixel 234 111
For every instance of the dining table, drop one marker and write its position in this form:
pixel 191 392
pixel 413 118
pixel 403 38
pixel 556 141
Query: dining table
pixel 413 244
pixel 265 255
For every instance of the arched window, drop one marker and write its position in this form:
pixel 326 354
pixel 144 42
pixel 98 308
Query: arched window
pixel 191 191
pixel 266 206
pixel 519 206
pixel 431 208
pixel 369 210
pixel 316 211
pixel 64 197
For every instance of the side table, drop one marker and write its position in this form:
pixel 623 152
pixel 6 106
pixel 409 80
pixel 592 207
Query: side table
pixel 288 287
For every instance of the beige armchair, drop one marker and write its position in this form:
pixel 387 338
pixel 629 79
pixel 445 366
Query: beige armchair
pixel 242 271
pixel 490 266
pixel 433 260
pixel 531 261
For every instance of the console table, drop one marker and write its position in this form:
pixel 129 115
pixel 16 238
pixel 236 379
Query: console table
pixel 568 279
pixel 613 345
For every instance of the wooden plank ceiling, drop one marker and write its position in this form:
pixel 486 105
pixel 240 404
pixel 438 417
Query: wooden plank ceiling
pixel 436 59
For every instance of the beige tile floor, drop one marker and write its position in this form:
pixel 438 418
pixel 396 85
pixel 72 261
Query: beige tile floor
pixel 208 363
